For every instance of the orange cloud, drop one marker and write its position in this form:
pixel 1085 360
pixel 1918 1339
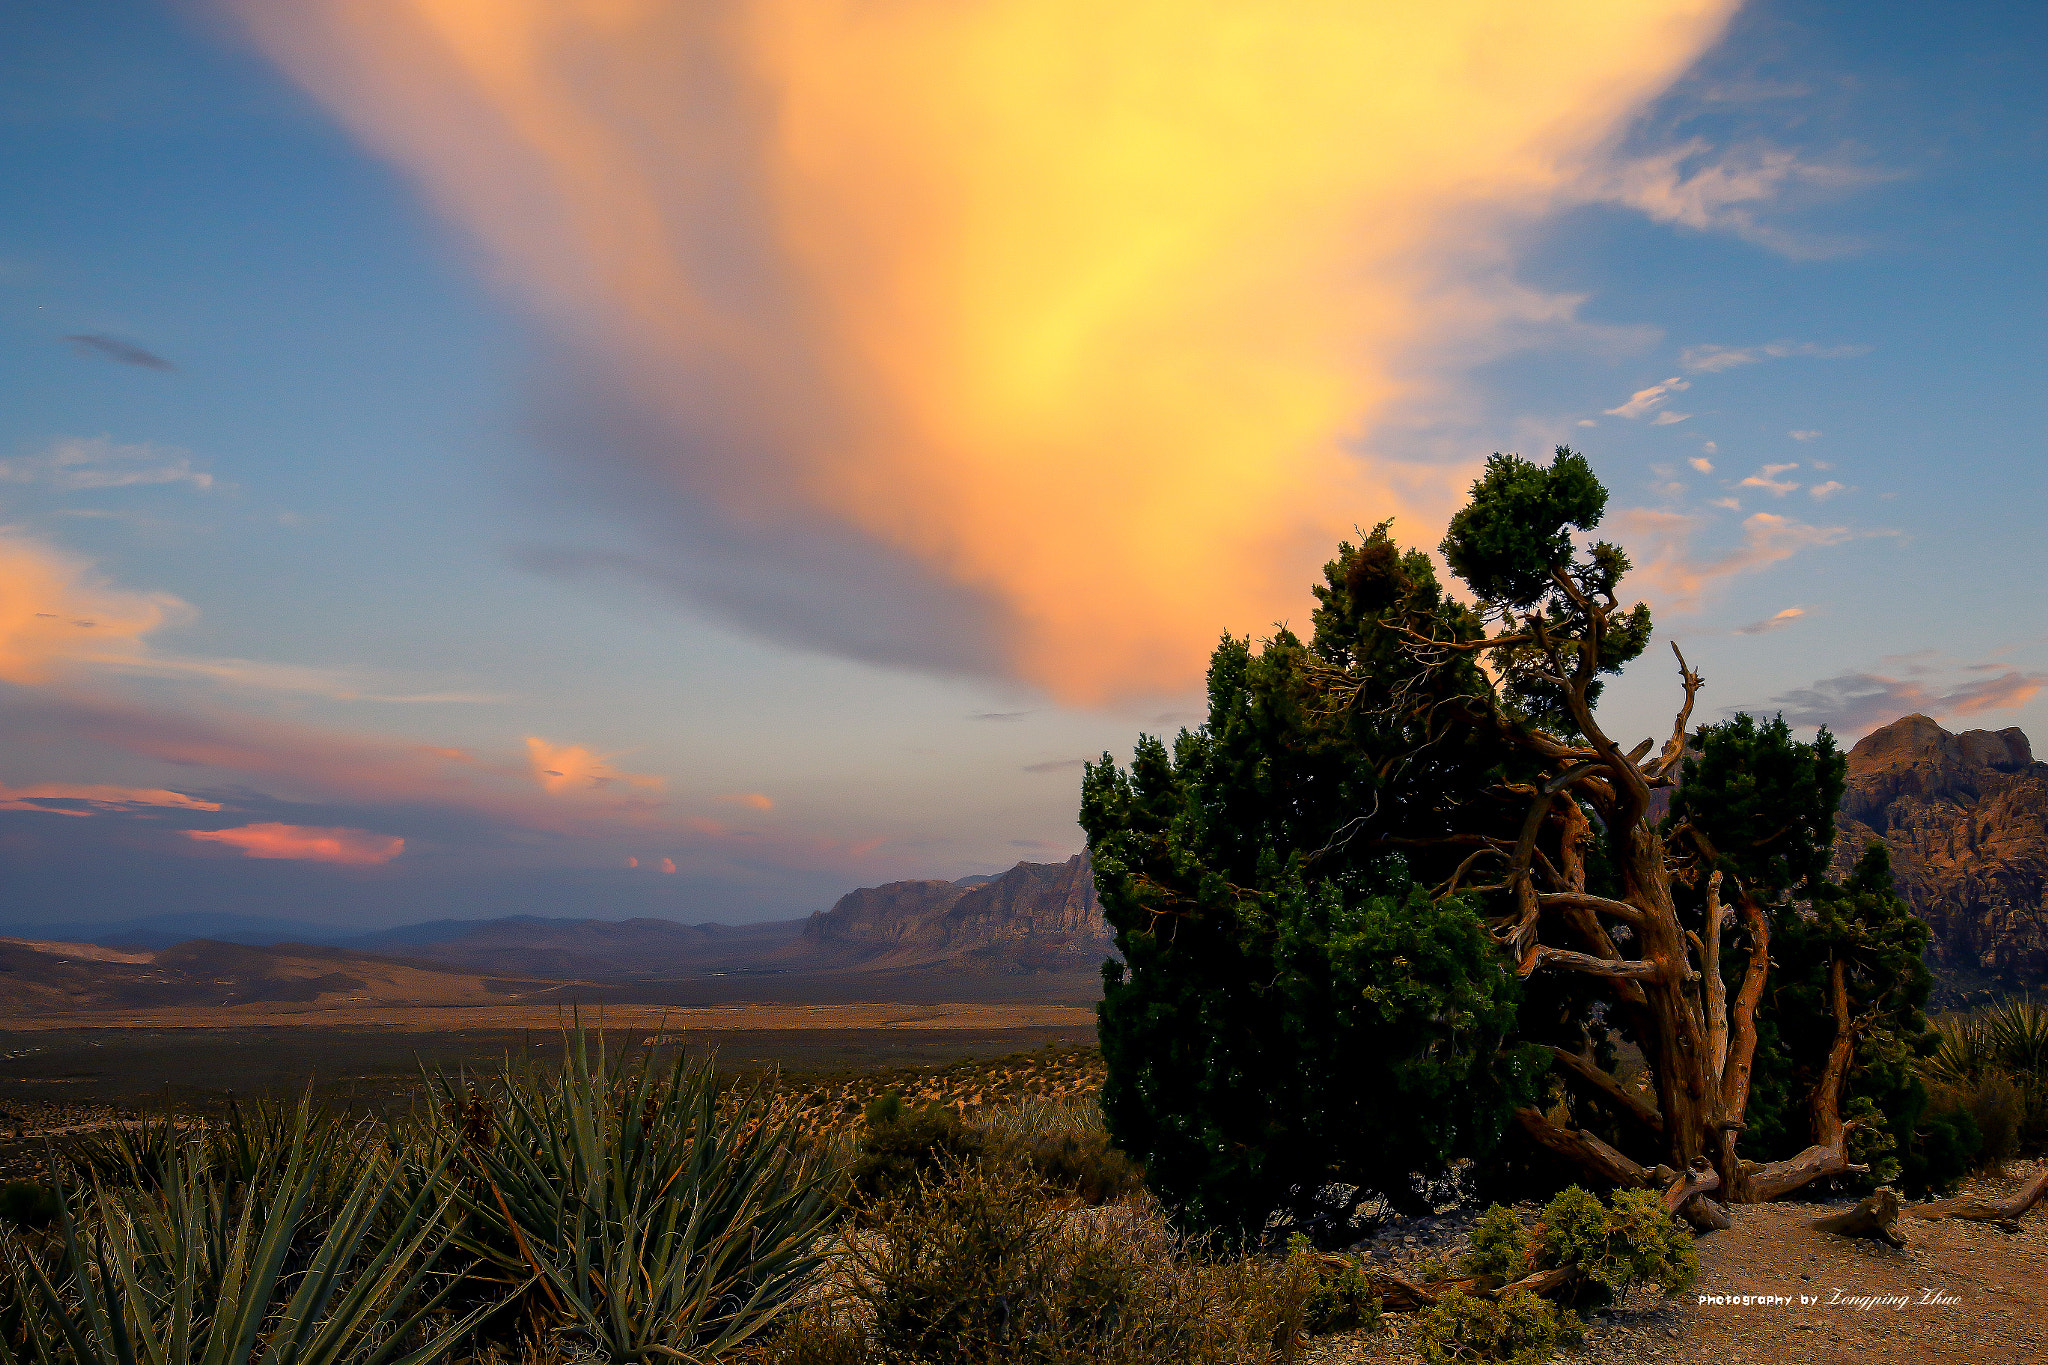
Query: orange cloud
pixel 307 843
pixel 1074 317
pixel 55 612
pixel 571 767
pixel 98 795
pixel 751 800
pixel 668 864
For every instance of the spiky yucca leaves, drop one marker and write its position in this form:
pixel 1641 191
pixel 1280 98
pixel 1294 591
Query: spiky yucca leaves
pixel 197 1272
pixel 660 1220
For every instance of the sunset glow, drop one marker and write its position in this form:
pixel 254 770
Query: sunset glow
pixel 1088 311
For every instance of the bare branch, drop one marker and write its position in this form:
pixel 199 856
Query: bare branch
pixel 1542 955
pixel 1584 900
pixel 1674 748
pixel 1607 1088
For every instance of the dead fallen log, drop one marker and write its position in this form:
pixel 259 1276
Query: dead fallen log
pixel 1977 1209
pixel 1877 1216
pixel 1687 1197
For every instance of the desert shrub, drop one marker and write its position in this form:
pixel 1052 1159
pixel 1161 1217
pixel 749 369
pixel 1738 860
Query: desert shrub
pixel 1615 1245
pixel 1341 1299
pixel 903 1145
pixel 978 1263
pixel 1944 1150
pixel 1521 1329
pixel 1083 1164
pixel 1989 1071
pixel 1499 1250
pixel 655 1215
pixel 24 1203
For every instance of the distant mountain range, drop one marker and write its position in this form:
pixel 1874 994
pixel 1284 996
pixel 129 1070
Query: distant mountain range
pixel 1036 918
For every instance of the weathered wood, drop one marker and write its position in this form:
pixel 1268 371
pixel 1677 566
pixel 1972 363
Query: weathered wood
pixel 1977 1209
pixel 1581 1149
pixel 1698 1178
pixel 1877 1217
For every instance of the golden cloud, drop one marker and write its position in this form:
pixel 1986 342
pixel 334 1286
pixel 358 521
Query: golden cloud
pixel 1075 317
pixel 55 613
pixel 571 767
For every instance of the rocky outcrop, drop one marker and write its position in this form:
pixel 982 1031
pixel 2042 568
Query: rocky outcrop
pixel 1034 917
pixel 1966 819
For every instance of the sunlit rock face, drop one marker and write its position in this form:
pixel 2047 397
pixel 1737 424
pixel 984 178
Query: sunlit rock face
pixel 1034 917
pixel 1966 819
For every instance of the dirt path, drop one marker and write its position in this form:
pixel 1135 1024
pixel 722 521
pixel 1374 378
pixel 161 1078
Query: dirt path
pixel 1959 1292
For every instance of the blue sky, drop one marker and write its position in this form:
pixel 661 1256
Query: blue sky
pixel 394 543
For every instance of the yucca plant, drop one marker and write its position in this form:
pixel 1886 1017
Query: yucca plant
pixel 659 1220
pixel 193 1272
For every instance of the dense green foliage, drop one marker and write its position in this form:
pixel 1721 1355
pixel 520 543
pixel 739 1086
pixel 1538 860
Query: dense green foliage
pixel 1613 1246
pixel 1325 897
pixel 1519 1329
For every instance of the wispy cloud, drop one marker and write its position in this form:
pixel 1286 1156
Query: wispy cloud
pixel 1643 400
pixel 1661 544
pixel 1702 464
pixel 306 843
pixel 1771 623
pixel 1056 765
pixel 115 349
pixel 1804 435
pixel 1767 478
pixel 98 797
pixel 79 463
pixel 1709 189
pixel 1714 359
pixel 751 800
pixel 1823 491
pixel 999 715
pixel 1853 703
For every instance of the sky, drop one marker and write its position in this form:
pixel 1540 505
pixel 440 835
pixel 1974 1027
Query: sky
pixel 605 457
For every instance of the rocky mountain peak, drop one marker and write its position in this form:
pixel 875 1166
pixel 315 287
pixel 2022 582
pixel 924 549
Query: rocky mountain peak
pixel 1034 917
pixel 1966 819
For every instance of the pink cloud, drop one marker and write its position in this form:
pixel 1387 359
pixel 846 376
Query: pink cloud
pixel 1852 703
pixel 668 864
pixel 100 796
pixel 307 843
pixel 1661 544
pixel 751 800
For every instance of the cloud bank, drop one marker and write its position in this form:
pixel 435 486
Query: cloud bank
pixel 306 843
pixel 1035 338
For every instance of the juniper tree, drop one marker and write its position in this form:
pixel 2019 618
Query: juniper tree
pixel 1401 898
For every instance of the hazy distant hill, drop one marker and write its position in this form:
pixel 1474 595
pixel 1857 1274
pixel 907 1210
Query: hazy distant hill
pixel 161 931
pixel 588 949
pixel 48 976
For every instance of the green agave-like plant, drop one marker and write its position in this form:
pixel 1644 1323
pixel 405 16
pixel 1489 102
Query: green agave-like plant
pixel 195 1272
pixel 2009 1035
pixel 658 1220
